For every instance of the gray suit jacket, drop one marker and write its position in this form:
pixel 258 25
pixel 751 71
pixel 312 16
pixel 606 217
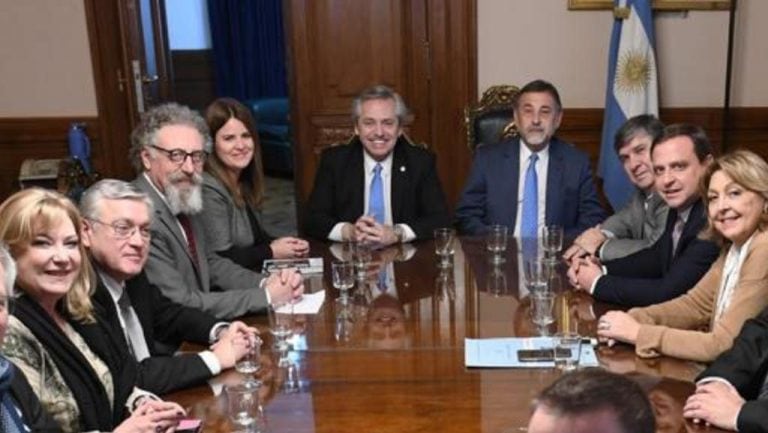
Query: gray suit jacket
pixel 634 227
pixel 170 267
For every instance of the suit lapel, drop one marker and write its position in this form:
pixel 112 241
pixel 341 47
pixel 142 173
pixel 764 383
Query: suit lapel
pixel 399 180
pixel 356 171
pixel 510 195
pixel 555 169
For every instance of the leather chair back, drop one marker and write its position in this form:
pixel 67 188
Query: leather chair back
pixel 491 120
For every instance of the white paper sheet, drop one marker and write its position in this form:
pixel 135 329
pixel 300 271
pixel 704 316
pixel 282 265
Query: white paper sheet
pixel 310 303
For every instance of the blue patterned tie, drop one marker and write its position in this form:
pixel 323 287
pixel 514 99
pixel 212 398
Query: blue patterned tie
pixel 376 198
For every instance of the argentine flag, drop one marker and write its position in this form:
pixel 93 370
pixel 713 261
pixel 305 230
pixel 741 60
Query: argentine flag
pixel 632 89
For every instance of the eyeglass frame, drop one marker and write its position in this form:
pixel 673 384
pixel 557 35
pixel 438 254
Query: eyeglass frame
pixel 144 232
pixel 197 157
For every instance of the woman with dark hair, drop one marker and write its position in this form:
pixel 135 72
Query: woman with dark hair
pixel 72 361
pixel 701 324
pixel 233 190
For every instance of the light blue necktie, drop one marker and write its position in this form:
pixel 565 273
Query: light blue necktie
pixel 376 198
pixel 530 215
pixel 529 224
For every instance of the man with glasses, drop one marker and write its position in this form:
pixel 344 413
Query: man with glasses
pixel 116 232
pixel 168 148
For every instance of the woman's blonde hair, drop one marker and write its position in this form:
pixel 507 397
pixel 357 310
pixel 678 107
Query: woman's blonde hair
pixel 31 211
pixel 746 169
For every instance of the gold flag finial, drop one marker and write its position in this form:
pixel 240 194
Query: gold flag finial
pixel 621 13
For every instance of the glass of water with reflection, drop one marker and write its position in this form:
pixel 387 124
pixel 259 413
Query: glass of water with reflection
pixel 496 242
pixel 444 246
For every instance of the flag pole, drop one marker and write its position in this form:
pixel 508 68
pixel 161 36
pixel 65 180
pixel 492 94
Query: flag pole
pixel 726 120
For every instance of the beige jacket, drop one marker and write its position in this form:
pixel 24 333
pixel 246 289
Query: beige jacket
pixel 680 327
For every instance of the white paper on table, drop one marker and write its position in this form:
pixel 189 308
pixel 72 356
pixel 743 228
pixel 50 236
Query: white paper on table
pixel 310 303
pixel 502 352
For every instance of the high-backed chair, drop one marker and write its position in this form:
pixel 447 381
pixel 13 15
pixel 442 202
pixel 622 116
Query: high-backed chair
pixel 490 121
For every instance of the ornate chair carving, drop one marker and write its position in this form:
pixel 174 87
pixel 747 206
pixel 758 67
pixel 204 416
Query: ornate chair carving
pixel 491 120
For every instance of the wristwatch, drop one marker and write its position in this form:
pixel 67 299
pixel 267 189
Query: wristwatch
pixel 399 233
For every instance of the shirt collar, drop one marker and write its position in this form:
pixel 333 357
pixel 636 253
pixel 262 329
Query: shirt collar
pixel 115 288
pixel 525 152
pixel 369 163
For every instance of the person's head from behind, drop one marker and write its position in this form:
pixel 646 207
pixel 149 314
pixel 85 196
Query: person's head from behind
pixel 735 191
pixel 116 227
pixel 7 280
pixel 538 112
pixel 236 156
pixel 592 400
pixel 632 143
pixel 378 114
pixel 42 231
pixel 170 145
pixel 680 156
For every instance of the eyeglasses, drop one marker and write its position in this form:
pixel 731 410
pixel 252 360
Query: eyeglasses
pixel 178 156
pixel 124 230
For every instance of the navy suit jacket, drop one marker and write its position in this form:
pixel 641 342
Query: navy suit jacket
pixel 165 321
pixel 655 274
pixel 745 366
pixel 490 195
pixel 338 194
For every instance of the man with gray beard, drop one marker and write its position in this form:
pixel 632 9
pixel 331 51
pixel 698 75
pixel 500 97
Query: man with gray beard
pixel 168 149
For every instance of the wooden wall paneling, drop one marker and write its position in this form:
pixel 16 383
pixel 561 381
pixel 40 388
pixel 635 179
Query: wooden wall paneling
pixel 193 77
pixel 39 138
pixel 453 85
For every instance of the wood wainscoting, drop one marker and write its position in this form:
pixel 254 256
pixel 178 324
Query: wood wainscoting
pixel 39 138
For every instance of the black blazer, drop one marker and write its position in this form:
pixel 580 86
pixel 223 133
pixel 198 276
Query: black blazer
pixel 655 275
pixel 338 194
pixel 745 366
pixel 162 321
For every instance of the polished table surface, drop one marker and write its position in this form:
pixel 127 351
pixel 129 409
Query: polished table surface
pixel 394 362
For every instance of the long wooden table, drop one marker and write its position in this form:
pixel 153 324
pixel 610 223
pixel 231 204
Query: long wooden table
pixel 396 363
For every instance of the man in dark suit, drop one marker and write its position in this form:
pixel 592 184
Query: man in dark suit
pixel 732 393
pixel 677 261
pixel 117 217
pixel 168 148
pixel 531 180
pixel 379 187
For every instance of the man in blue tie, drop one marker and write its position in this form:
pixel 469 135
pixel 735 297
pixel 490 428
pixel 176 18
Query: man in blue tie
pixel 533 179
pixel 379 187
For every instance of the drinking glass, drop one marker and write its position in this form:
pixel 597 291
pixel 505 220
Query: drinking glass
pixel 250 364
pixel 537 273
pixel 361 257
pixel 496 242
pixel 496 282
pixel 567 350
pixel 543 303
pixel 344 321
pixel 445 285
pixel 281 327
pixel 343 274
pixel 552 241
pixel 444 246
pixel 243 406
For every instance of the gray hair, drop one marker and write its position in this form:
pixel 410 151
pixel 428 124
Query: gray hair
pixel 379 92
pixel 110 189
pixel 9 269
pixel 171 113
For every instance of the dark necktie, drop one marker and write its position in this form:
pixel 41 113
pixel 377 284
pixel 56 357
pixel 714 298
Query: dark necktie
pixel 133 330
pixel 677 231
pixel 186 224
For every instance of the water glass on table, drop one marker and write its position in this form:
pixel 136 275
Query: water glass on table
pixel 361 258
pixel 567 351
pixel 444 246
pixel 243 406
pixel 542 305
pixel 496 242
pixel 281 328
pixel 537 272
pixel 343 275
pixel 250 364
pixel 551 242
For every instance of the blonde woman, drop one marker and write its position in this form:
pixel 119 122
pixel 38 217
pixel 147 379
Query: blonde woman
pixel 702 323
pixel 76 368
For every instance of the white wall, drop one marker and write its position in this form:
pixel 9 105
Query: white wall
pixel 46 61
pixel 525 39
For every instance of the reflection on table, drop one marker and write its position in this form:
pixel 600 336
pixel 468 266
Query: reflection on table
pixel 390 357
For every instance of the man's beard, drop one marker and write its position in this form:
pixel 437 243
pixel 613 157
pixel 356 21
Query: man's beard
pixel 187 200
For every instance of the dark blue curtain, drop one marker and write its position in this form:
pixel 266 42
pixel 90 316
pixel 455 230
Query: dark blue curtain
pixel 248 48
